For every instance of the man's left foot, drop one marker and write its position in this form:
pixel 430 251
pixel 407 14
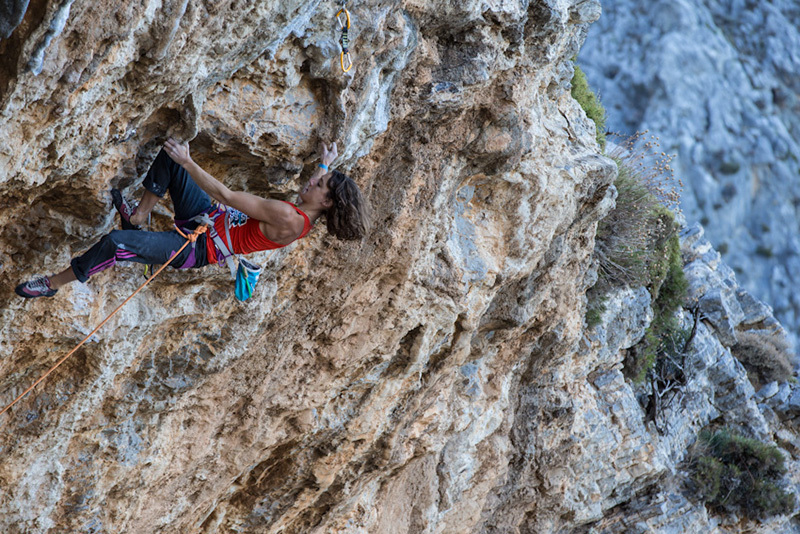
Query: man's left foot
pixel 38 287
pixel 125 209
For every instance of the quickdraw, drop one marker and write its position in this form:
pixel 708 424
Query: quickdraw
pixel 344 40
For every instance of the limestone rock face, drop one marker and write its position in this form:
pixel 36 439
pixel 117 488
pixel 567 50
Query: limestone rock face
pixel 717 82
pixel 436 377
pixel 383 386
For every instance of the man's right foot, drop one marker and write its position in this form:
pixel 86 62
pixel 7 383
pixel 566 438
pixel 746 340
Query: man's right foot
pixel 38 287
pixel 125 209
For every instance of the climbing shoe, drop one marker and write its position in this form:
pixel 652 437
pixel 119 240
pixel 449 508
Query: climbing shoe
pixel 38 287
pixel 125 209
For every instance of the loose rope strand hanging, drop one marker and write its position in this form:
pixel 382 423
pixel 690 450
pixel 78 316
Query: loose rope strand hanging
pixel 191 238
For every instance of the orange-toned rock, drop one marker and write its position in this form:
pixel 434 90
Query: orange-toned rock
pixel 368 387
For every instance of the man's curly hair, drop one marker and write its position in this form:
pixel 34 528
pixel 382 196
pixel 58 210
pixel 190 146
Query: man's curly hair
pixel 348 218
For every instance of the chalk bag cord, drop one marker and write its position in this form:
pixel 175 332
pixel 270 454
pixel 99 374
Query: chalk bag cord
pixel 343 18
pixel 189 239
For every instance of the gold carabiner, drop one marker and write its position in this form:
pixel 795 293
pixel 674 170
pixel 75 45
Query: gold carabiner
pixel 347 15
pixel 349 62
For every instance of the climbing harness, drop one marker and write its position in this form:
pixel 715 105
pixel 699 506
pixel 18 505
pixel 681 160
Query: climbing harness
pixel 190 238
pixel 223 246
pixel 246 274
pixel 344 40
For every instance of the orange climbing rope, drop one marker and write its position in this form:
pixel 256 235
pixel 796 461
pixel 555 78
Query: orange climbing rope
pixel 191 238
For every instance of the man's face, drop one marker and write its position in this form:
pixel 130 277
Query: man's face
pixel 316 191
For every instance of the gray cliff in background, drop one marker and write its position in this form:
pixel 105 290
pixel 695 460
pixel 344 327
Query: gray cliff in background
pixel 717 82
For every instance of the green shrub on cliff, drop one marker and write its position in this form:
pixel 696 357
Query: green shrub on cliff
pixel 630 238
pixel 590 103
pixel 595 308
pixel 636 242
pixel 665 334
pixel 732 473
pixel 637 245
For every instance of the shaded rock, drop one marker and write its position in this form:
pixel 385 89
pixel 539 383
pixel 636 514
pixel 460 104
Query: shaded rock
pixel 626 317
pixel 780 398
pixel 11 13
pixel 723 311
pixel 768 391
pixel 793 404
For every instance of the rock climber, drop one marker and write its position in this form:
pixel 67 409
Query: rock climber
pixel 255 223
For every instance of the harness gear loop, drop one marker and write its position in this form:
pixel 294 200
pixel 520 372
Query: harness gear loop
pixel 189 239
pixel 345 58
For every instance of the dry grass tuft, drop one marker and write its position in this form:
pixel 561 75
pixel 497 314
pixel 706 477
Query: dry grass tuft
pixel 632 240
pixel 766 355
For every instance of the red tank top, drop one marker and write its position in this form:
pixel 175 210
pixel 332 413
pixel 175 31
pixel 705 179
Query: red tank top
pixel 246 234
